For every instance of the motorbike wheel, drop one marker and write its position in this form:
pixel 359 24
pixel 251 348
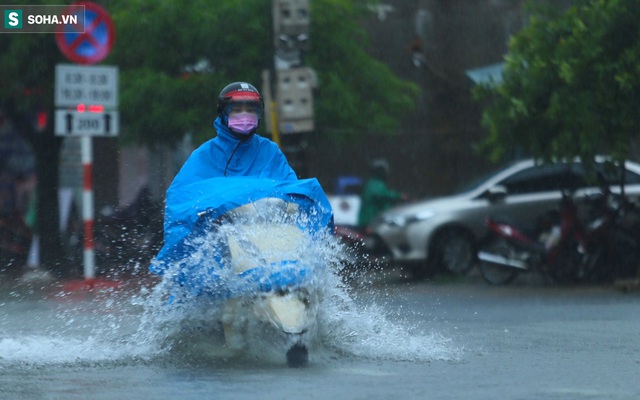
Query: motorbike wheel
pixel 568 265
pixel 297 356
pixel 495 274
pixel 595 266
pixel 626 253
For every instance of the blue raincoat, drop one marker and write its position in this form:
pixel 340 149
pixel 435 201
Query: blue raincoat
pixel 226 155
pixel 254 168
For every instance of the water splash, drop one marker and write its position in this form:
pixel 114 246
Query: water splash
pixel 345 327
pixel 51 325
pixel 121 326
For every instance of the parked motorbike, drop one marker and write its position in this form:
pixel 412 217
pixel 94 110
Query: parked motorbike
pixel 129 235
pixel 250 252
pixel 609 242
pixel 562 248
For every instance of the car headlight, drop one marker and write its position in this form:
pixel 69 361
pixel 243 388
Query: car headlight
pixel 404 220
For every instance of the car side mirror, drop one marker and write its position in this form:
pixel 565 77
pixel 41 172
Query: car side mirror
pixel 496 193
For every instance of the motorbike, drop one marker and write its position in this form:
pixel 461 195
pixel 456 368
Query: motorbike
pixel 561 248
pixel 245 245
pixel 129 235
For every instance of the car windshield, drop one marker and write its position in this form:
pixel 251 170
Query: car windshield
pixel 613 174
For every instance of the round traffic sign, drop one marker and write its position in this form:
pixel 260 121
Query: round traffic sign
pixel 94 43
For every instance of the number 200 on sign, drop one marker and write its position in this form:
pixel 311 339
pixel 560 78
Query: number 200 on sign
pixel 88 125
pixel 75 123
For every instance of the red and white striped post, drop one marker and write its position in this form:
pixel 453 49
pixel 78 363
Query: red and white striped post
pixel 87 206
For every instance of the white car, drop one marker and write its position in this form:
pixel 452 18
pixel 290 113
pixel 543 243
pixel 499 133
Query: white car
pixel 441 234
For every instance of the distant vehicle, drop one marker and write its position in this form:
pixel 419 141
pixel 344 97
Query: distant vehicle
pixel 563 247
pixel 441 234
pixel 345 200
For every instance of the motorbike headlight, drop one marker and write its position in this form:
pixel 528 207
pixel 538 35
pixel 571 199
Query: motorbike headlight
pixel 404 220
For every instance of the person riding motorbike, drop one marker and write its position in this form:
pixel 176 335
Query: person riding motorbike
pixel 235 215
pixel 236 152
pixel 376 195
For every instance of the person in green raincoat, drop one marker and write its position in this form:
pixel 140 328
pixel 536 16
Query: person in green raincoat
pixel 376 195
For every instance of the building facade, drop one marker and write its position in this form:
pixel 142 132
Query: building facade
pixel 432 43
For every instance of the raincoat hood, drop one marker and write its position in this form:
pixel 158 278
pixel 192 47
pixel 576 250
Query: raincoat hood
pixel 226 155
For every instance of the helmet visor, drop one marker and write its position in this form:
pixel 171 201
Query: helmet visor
pixel 244 106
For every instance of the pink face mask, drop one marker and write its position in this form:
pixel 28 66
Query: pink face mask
pixel 244 122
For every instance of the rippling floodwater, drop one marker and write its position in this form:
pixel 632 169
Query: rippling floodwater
pixel 60 340
pixel 53 325
pixel 389 339
pixel 69 340
pixel 48 325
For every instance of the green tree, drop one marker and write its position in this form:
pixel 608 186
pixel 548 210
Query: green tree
pixel 175 56
pixel 570 84
pixel 164 94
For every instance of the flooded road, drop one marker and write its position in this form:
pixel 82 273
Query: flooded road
pixel 390 338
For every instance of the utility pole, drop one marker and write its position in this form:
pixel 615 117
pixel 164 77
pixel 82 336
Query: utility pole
pixel 288 88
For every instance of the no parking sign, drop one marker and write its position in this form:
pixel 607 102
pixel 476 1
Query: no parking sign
pixel 92 44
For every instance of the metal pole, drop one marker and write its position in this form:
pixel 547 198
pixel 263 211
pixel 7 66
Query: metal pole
pixel 87 206
pixel 274 123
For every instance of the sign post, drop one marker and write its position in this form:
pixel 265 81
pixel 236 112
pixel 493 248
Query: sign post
pixel 87 207
pixel 90 97
pixel 86 98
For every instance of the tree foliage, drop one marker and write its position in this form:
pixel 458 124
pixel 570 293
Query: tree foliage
pixel 571 84
pixel 176 56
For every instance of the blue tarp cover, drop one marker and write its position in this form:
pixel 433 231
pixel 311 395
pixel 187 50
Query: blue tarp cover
pixel 185 206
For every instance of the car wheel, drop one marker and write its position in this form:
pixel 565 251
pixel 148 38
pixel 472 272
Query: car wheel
pixel 454 251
